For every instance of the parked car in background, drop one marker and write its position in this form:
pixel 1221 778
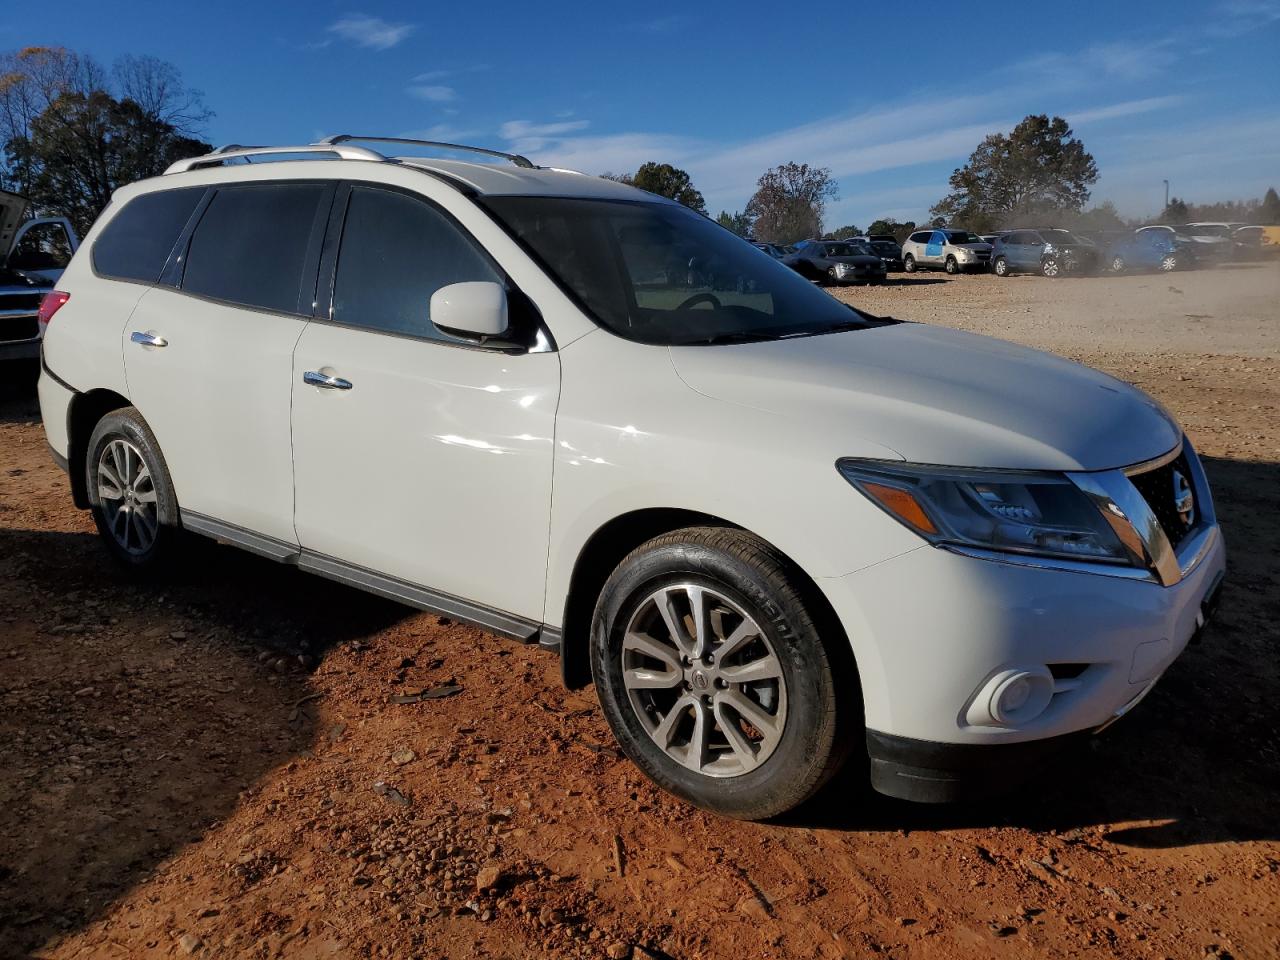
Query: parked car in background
pixel 836 261
pixel 1207 245
pixel 954 251
pixel 884 247
pixel 33 254
pixel 991 238
pixel 1256 242
pixel 777 251
pixel 773 531
pixel 1148 249
pixel 1049 252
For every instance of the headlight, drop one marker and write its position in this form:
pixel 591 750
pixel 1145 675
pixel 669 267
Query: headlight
pixel 1033 513
pixel 1050 248
pixel 965 254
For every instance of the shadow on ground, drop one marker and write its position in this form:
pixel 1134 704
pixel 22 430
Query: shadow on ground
pixel 133 716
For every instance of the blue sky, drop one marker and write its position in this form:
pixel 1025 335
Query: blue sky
pixel 1184 91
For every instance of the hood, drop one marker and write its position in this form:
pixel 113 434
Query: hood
pixel 935 395
pixel 12 208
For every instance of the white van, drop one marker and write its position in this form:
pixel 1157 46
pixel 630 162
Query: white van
pixel 774 532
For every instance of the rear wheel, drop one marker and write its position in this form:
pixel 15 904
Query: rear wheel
pixel 909 264
pixel 130 492
pixel 713 675
pixel 1169 262
pixel 1001 267
pixel 1117 264
pixel 952 267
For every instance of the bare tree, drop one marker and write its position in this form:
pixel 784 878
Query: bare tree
pixel 157 88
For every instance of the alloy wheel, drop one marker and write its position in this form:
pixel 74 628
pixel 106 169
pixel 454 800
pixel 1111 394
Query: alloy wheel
pixel 1169 263
pixel 1050 267
pixel 127 493
pixel 1117 264
pixel 704 680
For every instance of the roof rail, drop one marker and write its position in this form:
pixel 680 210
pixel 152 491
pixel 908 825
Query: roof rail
pixel 515 158
pixel 234 150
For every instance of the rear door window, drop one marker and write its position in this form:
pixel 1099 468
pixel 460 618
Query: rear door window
pixel 253 242
pixel 396 252
pixel 137 241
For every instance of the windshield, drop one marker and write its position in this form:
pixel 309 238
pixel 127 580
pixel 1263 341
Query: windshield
pixel 660 273
pixel 884 247
pixel 846 250
pixel 1209 230
pixel 962 236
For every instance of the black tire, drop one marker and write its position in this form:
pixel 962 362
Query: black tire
pixel 127 424
pixel 1050 267
pixel 832 278
pixel 952 266
pixel 821 692
pixel 1001 267
pixel 908 264
pixel 1169 263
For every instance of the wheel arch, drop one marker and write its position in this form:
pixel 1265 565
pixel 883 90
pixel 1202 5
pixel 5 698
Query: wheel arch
pixel 83 414
pixel 606 548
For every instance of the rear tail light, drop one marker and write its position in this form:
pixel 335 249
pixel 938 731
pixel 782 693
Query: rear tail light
pixel 50 304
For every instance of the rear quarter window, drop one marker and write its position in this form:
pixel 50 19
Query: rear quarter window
pixel 137 241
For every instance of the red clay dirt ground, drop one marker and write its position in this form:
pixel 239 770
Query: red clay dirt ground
pixel 215 766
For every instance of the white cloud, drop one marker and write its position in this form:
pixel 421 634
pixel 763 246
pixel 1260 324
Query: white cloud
pixel 1128 108
pixel 1233 18
pixel 441 132
pixel 433 93
pixel 1116 61
pixel 526 135
pixel 372 33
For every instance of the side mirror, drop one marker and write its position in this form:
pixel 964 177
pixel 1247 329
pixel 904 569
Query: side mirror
pixel 471 309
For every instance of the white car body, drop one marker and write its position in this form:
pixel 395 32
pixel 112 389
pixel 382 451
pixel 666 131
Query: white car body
pixel 934 249
pixel 486 477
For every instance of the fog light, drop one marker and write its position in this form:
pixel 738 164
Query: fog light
pixel 1011 697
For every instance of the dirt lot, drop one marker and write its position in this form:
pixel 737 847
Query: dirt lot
pixel 218 766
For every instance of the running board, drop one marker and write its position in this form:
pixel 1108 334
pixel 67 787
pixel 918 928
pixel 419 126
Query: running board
pixel 477 614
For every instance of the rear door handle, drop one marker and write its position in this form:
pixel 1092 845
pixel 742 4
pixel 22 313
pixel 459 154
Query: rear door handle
pixel 317 379
pixel 148 339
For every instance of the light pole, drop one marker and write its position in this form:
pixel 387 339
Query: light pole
pixel 1166 194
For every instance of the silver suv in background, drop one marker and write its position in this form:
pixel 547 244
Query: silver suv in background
pixel 954 251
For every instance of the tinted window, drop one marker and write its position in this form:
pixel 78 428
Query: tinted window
pixel 963 236
pixel 251 244
pixel 137 241
pixel 396 252
pixel 919 237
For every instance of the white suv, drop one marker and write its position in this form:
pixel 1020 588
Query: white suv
pixel 772 530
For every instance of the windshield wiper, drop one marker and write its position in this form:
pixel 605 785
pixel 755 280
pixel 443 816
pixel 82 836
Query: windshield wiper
pixel 833 328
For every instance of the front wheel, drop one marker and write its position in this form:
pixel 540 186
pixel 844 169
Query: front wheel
pixel 1117 264
pixel 714 676
pixel 909 264
pixel 833 278
pixel 952 267
pixel 1169 263
pixel 1050 267
pixel 1001 267
pixel 130 492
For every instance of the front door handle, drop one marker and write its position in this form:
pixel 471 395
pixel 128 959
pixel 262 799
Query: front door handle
pixel 317 379
pixel 148 339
